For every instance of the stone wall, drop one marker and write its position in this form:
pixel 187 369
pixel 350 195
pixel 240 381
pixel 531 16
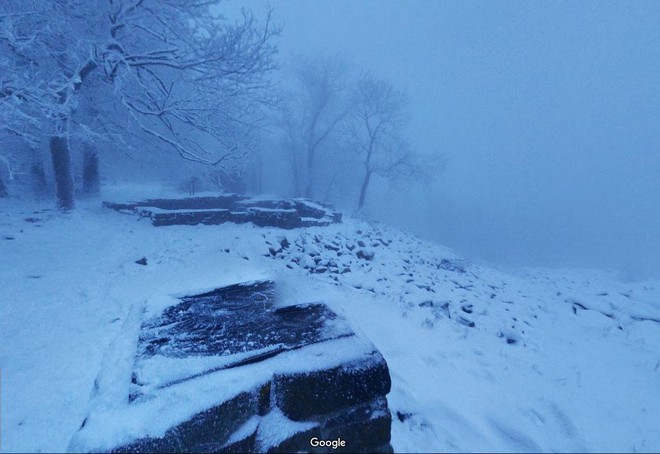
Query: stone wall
pixel 282 213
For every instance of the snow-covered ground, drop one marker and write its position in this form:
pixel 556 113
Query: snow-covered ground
pixel 480 360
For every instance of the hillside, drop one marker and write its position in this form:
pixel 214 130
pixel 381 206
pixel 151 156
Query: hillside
pixel 480 360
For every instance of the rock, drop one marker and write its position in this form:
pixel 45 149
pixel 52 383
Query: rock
pixel 306 368
pixel 362 427
pixel 284 243
pixel 467 308
pixel 301 396
pixel 442 311
pixel 142 261
pixel 361 243
pixel 466 322
pixel 282 213
pixel 426 304
pixel 211 426
pixel 451 265
pixel 271 217
pixel 365 254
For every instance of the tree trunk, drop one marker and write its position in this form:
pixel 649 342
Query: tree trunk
pixel 91 180
pixel 308 184
pixel 38 177
pixel 363 190
pixel 310 173
pixel 59 149
pixel 3 187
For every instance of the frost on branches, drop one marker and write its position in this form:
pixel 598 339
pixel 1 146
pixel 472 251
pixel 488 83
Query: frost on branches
pixel 173 74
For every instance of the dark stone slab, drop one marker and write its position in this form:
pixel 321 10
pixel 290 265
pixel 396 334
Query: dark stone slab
pixel 207 217
pixel 274 217
pixel 211 427
pixel 315 222
pixel 281 213
pixel 308 210
pixel 215 202
pixel 236 319
pixel 330 394
pixel 276 204
pixel 301 396
pixel 364 428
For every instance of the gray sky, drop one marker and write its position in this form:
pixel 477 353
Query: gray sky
pixel 548 114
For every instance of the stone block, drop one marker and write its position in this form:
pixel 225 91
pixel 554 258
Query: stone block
pixel 304 395
pixel 299 368
pixel 282 213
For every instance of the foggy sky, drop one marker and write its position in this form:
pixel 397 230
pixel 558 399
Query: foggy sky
pixel 548 114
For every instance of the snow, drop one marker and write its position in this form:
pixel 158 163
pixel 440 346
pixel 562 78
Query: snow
pixel 245 430
pixel 272 210
pixel 557 360
pixel 280 428
pixel 148 211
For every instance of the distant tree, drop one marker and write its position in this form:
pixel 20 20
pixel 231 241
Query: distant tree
pixel 174 70
pixel 9 163
pixel 377 133
pixel 3 187
pixel 311 112
pixel 38 176
pixel 91 178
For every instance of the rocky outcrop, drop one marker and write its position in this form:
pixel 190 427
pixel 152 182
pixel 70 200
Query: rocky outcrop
pixel 282 213
pixel 290 379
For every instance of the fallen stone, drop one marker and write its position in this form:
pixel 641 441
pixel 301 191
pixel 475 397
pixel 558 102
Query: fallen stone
pixel 365 254
pixel 466 322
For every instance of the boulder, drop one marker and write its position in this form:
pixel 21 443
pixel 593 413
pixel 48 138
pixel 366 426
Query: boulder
pixel 230 370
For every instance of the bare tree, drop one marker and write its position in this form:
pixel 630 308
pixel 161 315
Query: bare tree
pixel 176 70
pixel 3 186
pixel 377 129
pixel 310 114
pixel 91 179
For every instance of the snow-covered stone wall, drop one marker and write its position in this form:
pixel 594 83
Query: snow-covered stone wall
pixel 228 371
pixel 282 213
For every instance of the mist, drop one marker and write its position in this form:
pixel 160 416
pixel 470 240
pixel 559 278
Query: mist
pixel 545 114
pixel 363 225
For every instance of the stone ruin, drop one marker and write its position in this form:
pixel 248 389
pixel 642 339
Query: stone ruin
pixel 261 378
pixel 282 213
